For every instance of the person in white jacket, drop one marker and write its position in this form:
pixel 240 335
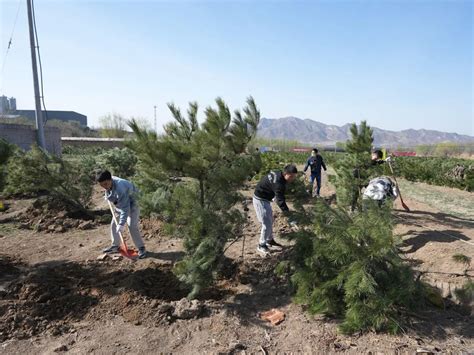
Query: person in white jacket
pixel 380 189
pixel 123 194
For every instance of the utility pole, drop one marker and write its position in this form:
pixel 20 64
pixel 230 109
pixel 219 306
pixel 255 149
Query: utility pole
pixel 155 119
pixel 39 113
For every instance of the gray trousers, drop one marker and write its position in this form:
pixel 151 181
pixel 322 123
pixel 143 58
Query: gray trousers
pixel 264 212
pixel 132 222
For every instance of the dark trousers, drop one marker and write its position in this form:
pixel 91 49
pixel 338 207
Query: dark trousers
pixel 315 176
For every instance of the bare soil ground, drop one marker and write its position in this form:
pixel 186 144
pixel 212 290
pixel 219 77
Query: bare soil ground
pixel 55 296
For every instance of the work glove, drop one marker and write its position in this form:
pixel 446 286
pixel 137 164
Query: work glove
pixel 120 229
pixel 388 159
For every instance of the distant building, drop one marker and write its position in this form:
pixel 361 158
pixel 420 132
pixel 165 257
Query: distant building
pixel 54 115
pixel 12 102
pixel 8 109
pixel 4 105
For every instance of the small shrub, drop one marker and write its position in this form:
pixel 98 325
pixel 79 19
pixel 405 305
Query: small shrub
pixel 450 172
pixel 6 151
pixel 35 172
pixel 120 162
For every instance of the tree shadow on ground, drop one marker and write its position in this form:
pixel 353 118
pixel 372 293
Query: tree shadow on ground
pixel 418 218
pixel 53 295
pixel 267 290
pixel 173 256
pixel 442 324
pixel 43 297
pixel 418 239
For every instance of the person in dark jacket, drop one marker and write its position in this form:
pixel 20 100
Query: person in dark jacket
pixel 271 186
pixel 315 161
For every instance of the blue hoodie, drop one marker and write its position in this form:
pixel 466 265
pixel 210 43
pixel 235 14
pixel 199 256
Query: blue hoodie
pixel 123 195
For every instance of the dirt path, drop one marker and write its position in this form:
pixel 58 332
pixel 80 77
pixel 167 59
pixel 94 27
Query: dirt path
pixel 439 225
pixel 66 300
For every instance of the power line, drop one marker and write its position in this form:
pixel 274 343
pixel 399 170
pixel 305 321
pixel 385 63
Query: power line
pixel 10 42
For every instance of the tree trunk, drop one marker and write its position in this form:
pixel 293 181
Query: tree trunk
pixel 201 189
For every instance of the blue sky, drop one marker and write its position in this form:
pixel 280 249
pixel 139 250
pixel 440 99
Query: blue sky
pixel 397 64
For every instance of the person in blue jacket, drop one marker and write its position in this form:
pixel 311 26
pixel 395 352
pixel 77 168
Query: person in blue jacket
pixel 315 161
pixel 123 194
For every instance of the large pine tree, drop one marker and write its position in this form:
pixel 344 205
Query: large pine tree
pixel 210 163
pixel 347 264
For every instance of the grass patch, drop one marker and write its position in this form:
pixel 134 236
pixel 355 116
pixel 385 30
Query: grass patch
pixel 451 201
pixel 8 228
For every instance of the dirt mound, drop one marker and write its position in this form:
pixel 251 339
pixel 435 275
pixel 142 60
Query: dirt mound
pixel 53 216
pixel 9 267
pixel 151 228
pixel 43 299
pixel 49 298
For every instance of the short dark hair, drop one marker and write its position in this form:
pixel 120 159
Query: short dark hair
pixel 104 176
pixel 379 153
pixel 315 150
pixel 290 169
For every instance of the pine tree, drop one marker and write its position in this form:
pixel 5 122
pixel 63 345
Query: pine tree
pixel 355 170
pixel 347 264
pixel 37 171
pixel 361 139
pixel 193 172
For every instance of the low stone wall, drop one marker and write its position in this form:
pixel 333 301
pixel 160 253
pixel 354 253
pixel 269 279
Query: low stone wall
pixel 24 136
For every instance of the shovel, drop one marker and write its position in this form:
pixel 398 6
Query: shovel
pixel 123 249
pixel 405 207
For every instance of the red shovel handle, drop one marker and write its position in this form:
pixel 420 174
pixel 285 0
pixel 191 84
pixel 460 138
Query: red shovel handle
pixel 128 253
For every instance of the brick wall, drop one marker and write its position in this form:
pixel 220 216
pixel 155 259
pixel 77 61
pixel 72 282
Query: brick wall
pixel 24 136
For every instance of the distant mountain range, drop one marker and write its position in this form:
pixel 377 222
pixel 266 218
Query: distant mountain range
pixel 313 132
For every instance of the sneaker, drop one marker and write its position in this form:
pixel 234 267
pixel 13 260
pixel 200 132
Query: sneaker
pixel 263 249
pixel 272 243
pixel 141 253
pixel 113 249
